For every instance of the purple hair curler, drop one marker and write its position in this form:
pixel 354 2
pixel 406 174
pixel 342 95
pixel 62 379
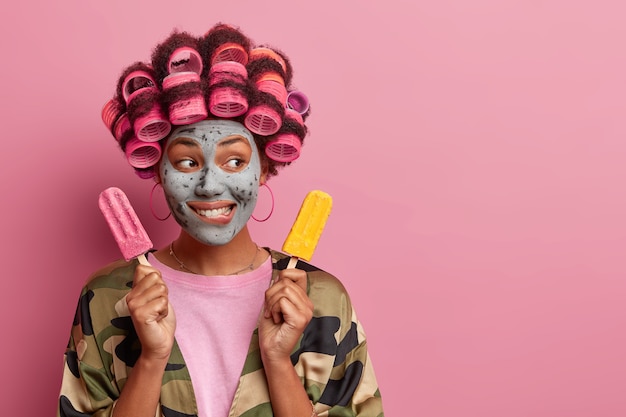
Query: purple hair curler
pixel 185 59
pixel 145 173
pixel 190 109
pixel 284 148
pixel 142 154
pixel 298 101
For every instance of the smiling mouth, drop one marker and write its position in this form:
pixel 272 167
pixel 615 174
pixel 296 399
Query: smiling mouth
pixel 214 213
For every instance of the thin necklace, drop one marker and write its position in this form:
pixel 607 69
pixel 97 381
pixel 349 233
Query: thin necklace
pixel 183 266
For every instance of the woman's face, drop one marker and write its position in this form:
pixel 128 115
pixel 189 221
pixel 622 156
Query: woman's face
pixel 210 173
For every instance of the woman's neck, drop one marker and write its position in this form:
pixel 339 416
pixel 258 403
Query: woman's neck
pixel 238 256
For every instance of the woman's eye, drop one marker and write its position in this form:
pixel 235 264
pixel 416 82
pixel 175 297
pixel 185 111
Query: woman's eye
pixel 235 163
pixel 186 164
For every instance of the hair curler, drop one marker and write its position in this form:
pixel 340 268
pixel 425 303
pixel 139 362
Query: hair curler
pixel 230 51
pixel 111 112
pixel 227 100
pixel 145 173
pixel 152 126
pixel 191 108
pixel 285 147
pixel 135 83
pixel 121 126
pixel 298 101
pixel 142 154
pixel 185 59
pixel 274 88
pixel 263 52
pixel 263 120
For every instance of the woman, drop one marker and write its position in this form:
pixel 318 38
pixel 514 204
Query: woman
pixel 216 325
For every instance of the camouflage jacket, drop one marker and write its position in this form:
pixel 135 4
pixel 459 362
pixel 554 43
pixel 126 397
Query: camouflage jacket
pixel 331 357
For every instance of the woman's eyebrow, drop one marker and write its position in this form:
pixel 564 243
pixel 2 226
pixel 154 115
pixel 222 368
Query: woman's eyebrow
pixel 186 142
pixel 232 140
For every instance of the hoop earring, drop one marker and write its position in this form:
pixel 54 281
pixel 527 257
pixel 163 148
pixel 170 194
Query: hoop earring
pixel 152 209
pixel 271 210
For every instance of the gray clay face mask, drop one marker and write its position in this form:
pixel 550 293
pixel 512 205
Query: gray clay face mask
pixel 210 175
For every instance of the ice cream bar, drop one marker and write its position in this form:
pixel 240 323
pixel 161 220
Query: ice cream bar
pixel 127 230
pixel 308 227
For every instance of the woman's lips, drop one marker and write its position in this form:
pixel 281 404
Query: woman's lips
pixel 211 213
pixel 215 212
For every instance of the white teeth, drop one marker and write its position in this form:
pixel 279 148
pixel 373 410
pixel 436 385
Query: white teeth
pixel 214 212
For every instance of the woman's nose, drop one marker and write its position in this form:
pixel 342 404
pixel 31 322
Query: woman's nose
pixel 209 184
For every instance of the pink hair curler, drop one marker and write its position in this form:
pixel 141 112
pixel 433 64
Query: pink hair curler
pixel 142 154
pixel 284 148
pixel 111 112
pixel 185 59
pixel 190 109
pixel 292 114
pixel 179 78
pixel 228 71
pixel 278 90
pixel 230 51
pixel 262 52
pixel 263 120
pixel 271 76
pixel 153 126
pixel 298 101
pixel 227 102
pixel 136 82
pixel 122 125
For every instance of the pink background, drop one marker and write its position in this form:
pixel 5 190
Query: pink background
pixel 475 151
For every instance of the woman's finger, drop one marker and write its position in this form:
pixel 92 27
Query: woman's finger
pixel 285 295
pixel 297 276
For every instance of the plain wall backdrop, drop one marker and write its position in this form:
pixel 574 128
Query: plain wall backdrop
pixel 475 151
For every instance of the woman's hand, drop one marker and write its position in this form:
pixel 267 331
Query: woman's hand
pixel 152 313
pixel 287 311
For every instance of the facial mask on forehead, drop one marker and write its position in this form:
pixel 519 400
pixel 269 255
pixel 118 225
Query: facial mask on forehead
pixel 210 195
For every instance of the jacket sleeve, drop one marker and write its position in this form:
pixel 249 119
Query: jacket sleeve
pixel 103 345
pixel 332 357
pixel 88 387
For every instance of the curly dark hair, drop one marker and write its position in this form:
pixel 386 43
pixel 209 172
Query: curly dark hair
pixel 187 80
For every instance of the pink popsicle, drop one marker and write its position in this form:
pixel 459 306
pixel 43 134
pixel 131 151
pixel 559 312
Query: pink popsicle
pixel 127 230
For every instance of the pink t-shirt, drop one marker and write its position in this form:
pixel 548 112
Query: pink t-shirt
pixel 215 318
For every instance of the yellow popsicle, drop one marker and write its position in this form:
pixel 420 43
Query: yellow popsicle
pixel 309 224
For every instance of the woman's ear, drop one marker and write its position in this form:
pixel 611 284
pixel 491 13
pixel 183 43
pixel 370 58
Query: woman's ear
pixel 264 170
